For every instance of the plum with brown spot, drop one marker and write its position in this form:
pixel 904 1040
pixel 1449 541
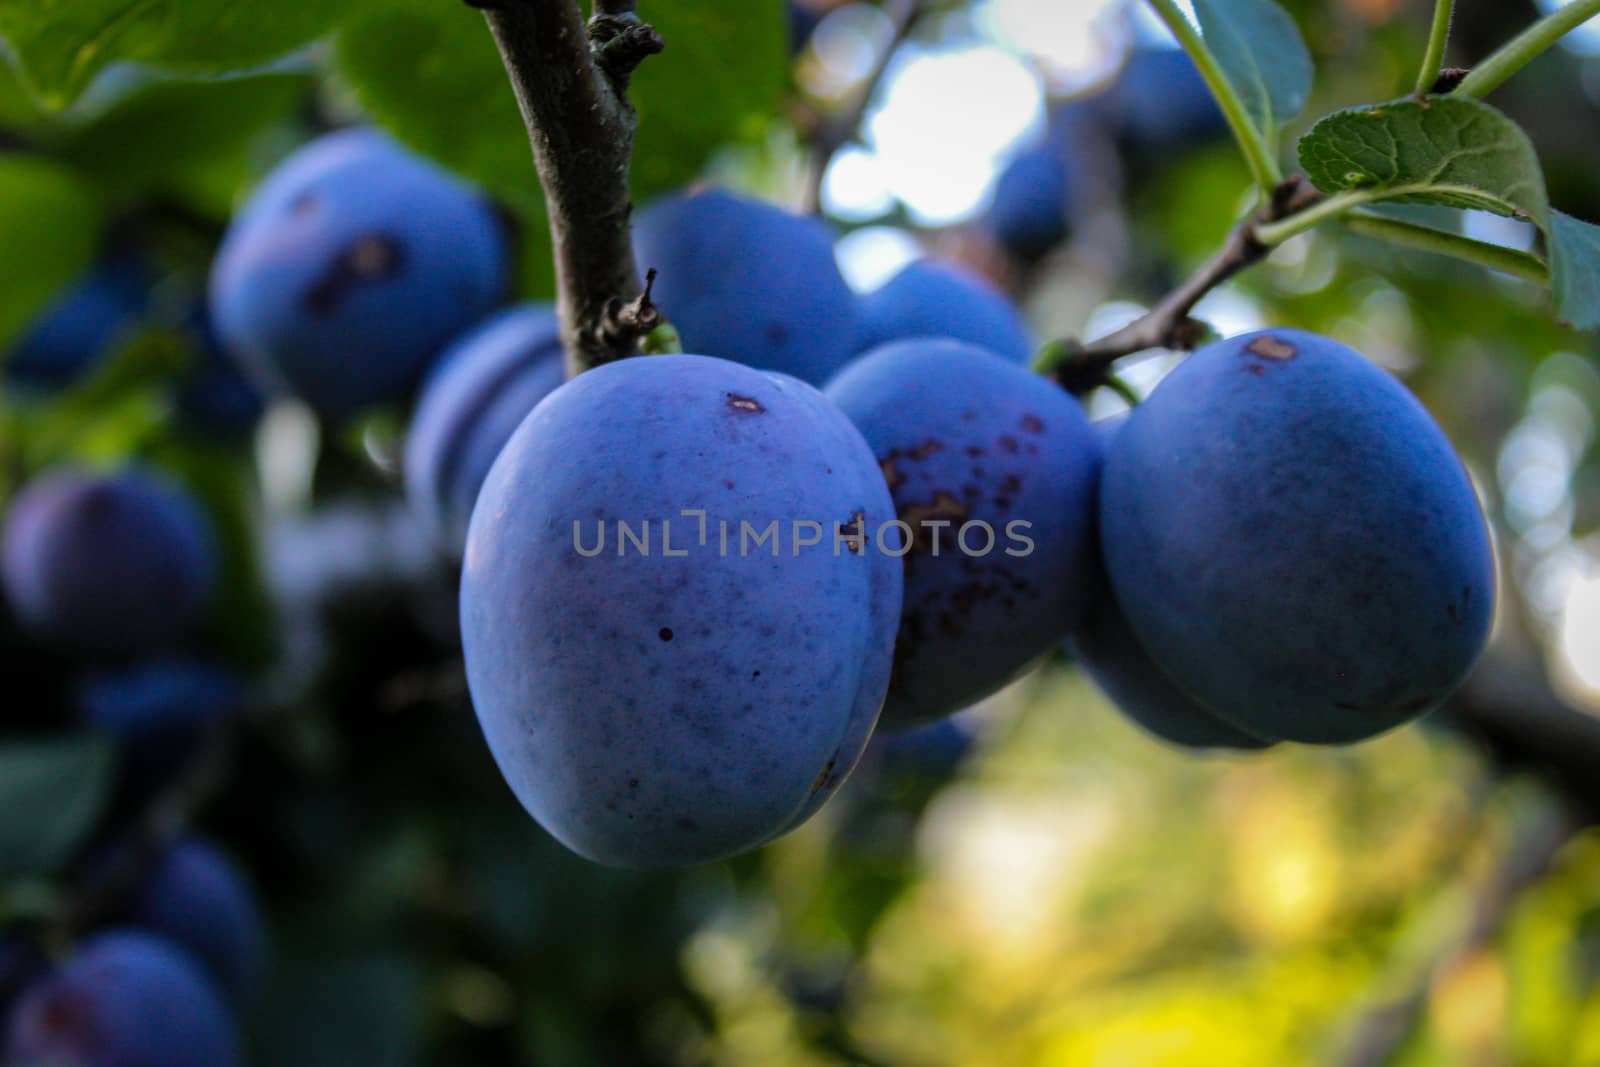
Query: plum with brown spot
pixel 973 621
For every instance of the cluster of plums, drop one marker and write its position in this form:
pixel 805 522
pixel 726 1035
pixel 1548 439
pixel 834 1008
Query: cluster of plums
pixel 693 585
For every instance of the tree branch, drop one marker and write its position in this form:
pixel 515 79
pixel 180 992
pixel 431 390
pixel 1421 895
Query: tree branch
pixel 834 132
pixel 571 83
pixel 1080 367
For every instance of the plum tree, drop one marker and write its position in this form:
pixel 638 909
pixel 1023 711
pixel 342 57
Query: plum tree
pixel 697 689
pixel 106 563
pixel 196 898
pixel 485 383
pixel 932 299
pixel 81 324
pixel 1295 542
pixel 750 282
pixel 966 437
pixel 353 263
pixel 125 999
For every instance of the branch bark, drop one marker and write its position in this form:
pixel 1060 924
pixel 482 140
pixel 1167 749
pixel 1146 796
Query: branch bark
pixel 571 81
pixel 1082 367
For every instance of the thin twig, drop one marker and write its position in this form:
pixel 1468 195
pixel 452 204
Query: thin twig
pixel 570 81
pixel 834 132
pixel 1081 367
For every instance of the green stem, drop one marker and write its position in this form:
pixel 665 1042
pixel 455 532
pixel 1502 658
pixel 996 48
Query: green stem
pixel 1433 61
pixel 1263 168
pixel 1522 265
pixel 1117 385
pixel 1522 49
pixel 1273 234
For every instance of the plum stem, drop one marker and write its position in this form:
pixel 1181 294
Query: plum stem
pixel 570 81
pixel 1522 49
pixel 1253 144
pixel 1170 324
pixel 1438 37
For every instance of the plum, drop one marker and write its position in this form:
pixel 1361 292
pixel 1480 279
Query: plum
pixel 676 692
pixel 1109 651
pixel 159 709
pixel 1294 541
pixel 126 999
pixel 1160 106
pixel 750 282
pixel 485 383
pixel 106 563
pixel 352 264
pixel 81 324
pixel 195 897
pixel 1028 214
pixel 966 437
pixel 932 299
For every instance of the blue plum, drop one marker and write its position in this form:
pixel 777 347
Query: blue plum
pixel 1110 652
pixel 680 702
pixel 1160 105
pixel 1105 646
pixel 106 563
pixel 1028 215
pixel 353 263
pixel 932 299
pixel 485 383
pixel 216 396
pixel 196 898
pixel 80 325
pixel 126 999
pixel 1294 541
pixel 749 282
pixel 157 710
pixel 967 438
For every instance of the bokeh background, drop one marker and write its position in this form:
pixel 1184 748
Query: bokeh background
pixel 1036 883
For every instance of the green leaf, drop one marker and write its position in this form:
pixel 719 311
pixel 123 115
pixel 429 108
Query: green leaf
pixel 1261 51
pixel 1575 268
pixel 62 44
pixel 430 73
pixel 50 221
pixel 721 79
pixel 51 795
pixel 1442 150
pixel 328 1010
pixel 161 133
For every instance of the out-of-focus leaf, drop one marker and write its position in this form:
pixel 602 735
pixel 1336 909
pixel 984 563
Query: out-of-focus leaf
pixel 1575 270
pixel 430 72
pixel 50 221
pixel 51 795
pixel 722 78
pixel 161 132
pixel 336 1011
pixel 1443 150
pixel 1263 55
pixel 62 44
